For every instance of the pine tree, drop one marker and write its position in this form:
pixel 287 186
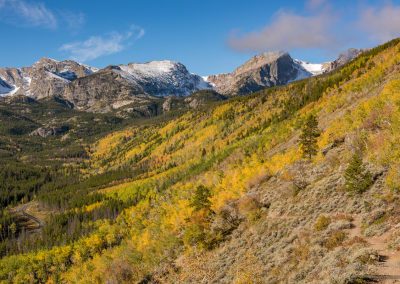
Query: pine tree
pixel 308 138
pixel 201 198
pixel 358 178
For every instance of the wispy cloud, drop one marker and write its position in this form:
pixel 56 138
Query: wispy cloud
pixel 289 31
pixel 380 23
pixel 97 46
pixel 74 21
pixel 22 13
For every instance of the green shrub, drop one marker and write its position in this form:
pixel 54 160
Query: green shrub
pixel 322 223
pixel 335 240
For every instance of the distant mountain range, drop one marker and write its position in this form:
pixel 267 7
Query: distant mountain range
pixel 273 69
pixel 103 90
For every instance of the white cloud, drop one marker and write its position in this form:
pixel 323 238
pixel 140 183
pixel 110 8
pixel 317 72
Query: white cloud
pixel 288 31
pixel 381 23
pixel 24 13
pixel 97 46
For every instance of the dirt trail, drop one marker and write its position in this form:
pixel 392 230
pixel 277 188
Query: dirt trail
pixel 27 218
pixel 388 269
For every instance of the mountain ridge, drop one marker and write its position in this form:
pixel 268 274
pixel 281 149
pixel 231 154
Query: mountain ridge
pixel 115 86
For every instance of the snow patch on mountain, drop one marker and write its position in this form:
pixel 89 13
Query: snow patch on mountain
pixel 313 68
pixel 90 69
pixel 9 92
pixel 7 89
pixel 150 69
pixel 57 77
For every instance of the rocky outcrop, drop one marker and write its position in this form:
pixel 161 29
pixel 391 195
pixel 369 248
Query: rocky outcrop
pixel 44 132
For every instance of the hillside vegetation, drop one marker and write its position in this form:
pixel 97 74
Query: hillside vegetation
pixel 224 194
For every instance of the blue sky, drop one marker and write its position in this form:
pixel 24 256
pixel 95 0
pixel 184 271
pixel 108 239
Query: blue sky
pixel 208 36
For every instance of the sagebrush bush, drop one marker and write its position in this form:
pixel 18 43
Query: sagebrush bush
pixel 250 208
pixel 322 223
pixel 335 239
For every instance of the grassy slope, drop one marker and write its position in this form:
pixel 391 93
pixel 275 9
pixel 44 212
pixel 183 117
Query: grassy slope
pixel 232 149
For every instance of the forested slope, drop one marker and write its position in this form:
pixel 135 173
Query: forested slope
pixel 224 194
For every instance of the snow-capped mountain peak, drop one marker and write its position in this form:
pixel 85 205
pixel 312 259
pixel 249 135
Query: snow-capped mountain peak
pixel 163 78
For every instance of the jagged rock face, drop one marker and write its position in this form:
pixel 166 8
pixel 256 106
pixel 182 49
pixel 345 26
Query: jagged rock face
pixel 43 79
pixel 265 70
pixel 50 77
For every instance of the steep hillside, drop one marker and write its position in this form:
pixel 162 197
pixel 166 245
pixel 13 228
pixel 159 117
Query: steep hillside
pixel 223 194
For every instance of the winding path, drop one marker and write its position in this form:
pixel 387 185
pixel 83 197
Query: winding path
pixel 388 269
pixel 22 211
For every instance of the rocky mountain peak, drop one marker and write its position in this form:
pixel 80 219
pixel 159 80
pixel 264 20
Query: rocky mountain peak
pixel 264 70
pixel 260 60
pixel 163 78
pixel 67 69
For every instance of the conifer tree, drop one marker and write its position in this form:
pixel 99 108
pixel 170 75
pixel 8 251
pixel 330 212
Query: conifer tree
pixel 201 198
pixel 308 138
pixel 358 178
